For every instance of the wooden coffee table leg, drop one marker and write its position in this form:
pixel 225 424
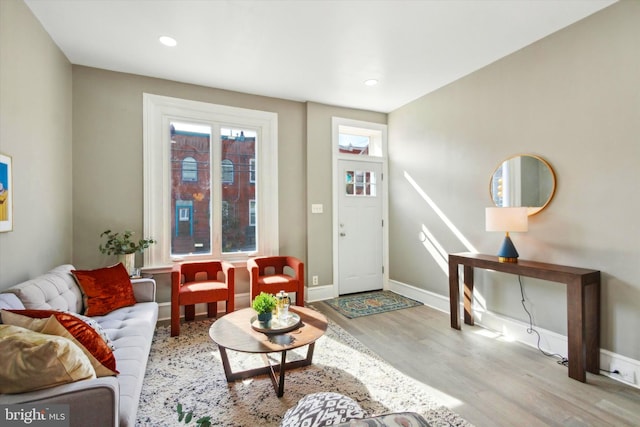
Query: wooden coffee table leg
pixel 225 364
pixel 283 364
pixel 310 353
pixel 277 380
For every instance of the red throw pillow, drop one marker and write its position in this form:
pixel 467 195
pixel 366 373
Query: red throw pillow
pixel 94 345
pixel 105 289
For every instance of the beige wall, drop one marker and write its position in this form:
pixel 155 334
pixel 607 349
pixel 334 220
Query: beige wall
pixel 572 98
pixel 107 173
pixel 107 149
pixel 319 185
pixel 35 130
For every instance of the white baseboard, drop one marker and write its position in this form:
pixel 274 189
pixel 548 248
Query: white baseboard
pixel 550 342
pixel 431 299
pixel 319 293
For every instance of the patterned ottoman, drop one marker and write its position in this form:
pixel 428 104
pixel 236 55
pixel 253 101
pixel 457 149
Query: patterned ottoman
pixel 322 409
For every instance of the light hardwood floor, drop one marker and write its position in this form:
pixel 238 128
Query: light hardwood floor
pixel 488 381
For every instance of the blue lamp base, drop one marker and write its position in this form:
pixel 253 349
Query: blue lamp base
pixel 508 252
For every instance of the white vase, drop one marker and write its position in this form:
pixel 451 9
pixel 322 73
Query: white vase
pixel 129 262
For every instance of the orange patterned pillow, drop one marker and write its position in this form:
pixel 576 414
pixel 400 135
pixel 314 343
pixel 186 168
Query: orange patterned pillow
pixel 68 326
pixel 105 289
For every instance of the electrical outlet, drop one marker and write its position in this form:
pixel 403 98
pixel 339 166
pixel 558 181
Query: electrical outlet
pixel 626 375
pixel 314 280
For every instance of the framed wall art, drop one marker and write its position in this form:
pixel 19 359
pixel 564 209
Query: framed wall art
pixel 6 194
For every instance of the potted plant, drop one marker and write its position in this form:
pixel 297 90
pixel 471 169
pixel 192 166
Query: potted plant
pixel 122 245
pixel 264 304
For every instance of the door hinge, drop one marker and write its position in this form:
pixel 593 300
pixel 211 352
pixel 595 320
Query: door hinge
pixel 383 222
pixel 383 269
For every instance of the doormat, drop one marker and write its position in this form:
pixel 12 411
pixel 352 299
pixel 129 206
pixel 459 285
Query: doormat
pixel 368 303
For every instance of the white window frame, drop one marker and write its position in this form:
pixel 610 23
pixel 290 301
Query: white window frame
pixel 158 112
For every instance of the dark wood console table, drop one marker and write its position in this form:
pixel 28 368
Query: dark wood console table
pixel 583 302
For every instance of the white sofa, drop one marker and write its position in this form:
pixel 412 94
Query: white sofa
pixel 104 401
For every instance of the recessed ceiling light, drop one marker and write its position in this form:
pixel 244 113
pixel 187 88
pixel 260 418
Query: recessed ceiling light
pixel 168 41
pixel 371 82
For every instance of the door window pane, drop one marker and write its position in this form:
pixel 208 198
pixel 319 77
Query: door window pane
pixel 360 183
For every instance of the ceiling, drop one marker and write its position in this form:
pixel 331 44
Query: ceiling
pixel 305 50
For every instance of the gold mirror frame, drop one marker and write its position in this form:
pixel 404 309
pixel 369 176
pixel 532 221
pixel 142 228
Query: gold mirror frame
pixel 542 175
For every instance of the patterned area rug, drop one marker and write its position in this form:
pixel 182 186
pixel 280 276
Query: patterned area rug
pixel 188 370
pixel 368 303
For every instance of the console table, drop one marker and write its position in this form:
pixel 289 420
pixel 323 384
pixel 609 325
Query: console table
pixel 583 302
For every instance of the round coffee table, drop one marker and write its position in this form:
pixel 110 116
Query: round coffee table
pixel 233 331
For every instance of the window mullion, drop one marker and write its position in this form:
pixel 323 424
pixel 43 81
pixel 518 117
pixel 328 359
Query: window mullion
pixel 216 190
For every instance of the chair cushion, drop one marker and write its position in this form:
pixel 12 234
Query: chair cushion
pixel 200 292
pixel 203 286
pixel 105 289
pixel 276 279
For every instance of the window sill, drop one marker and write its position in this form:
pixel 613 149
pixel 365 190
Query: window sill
pixel 160 269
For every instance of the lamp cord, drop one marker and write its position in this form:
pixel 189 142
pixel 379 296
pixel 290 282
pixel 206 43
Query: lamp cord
pixel 530 330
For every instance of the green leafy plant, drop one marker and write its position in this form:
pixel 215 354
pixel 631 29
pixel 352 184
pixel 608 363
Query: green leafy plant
pixel 122 243
pixel 187 417
pixel 264 303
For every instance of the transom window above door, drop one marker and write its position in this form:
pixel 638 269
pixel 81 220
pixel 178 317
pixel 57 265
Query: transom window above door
pixel 359 141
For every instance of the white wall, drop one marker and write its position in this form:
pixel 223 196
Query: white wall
pixel 572 98
pixel 35 130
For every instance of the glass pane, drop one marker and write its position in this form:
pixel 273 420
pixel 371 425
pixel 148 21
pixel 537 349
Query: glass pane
pixel 348 178
pixel 239 215
pixel 189 169
pixel 190 189
pixel 353 144
pixel 360 183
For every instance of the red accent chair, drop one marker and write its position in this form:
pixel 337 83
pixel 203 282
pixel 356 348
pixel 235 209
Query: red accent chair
pixel 273 274
pixel 200 282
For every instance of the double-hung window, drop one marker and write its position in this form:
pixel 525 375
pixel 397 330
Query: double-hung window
pixel 210 181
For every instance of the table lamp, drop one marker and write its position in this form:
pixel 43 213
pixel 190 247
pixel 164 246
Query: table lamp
pixel 507 219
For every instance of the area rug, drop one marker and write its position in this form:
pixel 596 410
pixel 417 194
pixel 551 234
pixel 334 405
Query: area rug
pixel 188 370
pixel 368 303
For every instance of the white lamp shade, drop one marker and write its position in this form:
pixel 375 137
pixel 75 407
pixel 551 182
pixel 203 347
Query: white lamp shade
pixel 507 219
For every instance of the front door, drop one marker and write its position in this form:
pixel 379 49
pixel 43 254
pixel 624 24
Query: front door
pixel 360 228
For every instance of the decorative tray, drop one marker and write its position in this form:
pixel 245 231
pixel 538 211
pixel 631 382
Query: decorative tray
pixel 278 326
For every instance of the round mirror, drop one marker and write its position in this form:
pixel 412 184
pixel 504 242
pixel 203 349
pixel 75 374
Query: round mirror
pixel 523 181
